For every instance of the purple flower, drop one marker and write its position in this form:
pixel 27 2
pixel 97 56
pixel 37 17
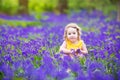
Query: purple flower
pixel 118 75
pixel 73 51
pixel 78 51
pixel 38 74
pixel 18 44
pixel 95 66
pixel 7 71
pixel 65 64
pixel 56 55
pixel 29 70
pixel 61 75
pixel 97 75
pixel 109 77
pixel 75 67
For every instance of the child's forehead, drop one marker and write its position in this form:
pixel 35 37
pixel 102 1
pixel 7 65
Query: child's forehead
pixel 71 29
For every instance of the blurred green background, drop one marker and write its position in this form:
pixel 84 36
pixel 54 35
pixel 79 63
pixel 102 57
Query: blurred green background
pixel 13 7
pixel 38 7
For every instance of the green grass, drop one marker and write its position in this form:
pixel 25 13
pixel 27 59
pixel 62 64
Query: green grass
pixel 15 23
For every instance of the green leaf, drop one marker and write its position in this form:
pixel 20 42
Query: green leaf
pixel 112 55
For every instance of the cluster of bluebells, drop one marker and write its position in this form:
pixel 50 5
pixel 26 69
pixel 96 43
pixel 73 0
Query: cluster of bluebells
pixel 32 53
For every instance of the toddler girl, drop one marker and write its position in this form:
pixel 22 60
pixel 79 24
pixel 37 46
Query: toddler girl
pixel 73 45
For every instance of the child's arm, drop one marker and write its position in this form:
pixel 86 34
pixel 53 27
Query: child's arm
pixel 84 49
pixel 63 48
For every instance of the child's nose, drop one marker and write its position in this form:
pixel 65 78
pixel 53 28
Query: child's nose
pixel 72 35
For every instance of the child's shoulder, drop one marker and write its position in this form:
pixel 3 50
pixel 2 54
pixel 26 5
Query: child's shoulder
pixel 64 42
pixel 82 41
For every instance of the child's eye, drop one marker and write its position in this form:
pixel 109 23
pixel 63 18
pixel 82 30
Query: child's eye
pixel 69 33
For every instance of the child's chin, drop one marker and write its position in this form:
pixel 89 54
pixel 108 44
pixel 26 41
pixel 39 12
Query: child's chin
pixel 73 41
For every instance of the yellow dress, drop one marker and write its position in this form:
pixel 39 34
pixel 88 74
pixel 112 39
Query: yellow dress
pixel 70 45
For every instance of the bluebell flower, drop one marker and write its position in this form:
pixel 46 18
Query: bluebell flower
pixel 38 74
pixel 57 55
pixel 109 77
pixel 16 64
pixel 7 71
pixel 67 58
pixel 97 75
pixel 96 66
pixel 118 73
pixel 61 75
pixel 78 51
pixel 75 67
pixel 65 64
pixel 29 69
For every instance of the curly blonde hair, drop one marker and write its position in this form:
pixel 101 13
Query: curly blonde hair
pixel 72 25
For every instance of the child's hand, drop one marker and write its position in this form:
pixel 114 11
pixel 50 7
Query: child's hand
pixel 78 51
pixel 75 52
pixel 72 51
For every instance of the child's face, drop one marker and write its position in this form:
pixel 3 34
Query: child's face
pixel 72 34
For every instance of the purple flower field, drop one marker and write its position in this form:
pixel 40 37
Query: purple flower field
pixel 32 52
